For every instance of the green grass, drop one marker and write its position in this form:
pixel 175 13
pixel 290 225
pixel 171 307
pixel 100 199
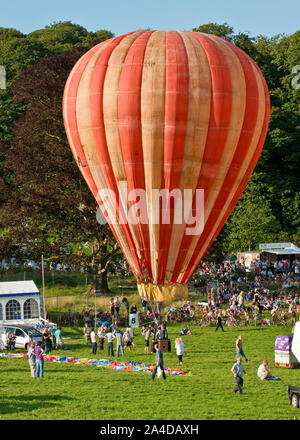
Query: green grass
pixel 73 392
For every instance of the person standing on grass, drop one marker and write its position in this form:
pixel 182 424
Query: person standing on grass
pixel 144 306
pixel 93 341
pixel 47 340
pixel 180 349
pixel 219 322
pixel 87 333
pixel 38 352
pixel 10 340
pixel 238 370
pixel 130 331
pixel 126 304
pixel 52 331
pixel 117 305
pixel 148 334
pixel 120 345
pixel 112 306
pixel 127 339
pixel 31 358
pixel 133 309
pixel 239 349
pixel 110 343
pixel 58 337
pixel 159 362
pixel 101 336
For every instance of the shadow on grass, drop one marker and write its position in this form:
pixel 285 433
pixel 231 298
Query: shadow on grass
pixel 30 403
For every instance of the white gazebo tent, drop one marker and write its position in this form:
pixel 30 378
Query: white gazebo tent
pixel 281 250
pixel 20 303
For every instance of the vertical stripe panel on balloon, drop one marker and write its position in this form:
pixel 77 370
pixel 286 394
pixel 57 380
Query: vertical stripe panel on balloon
pixel 85 130
pixel 111 122
pixel 69 112
pixel 152 117
pixel 232 144
pixel 196 133
pixel 219 124
pixel 129 117
pixel 249 163
pixel 96 104
pixel 176 111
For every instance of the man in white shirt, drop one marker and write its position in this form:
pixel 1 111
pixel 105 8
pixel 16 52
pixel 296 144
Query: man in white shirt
pixel 93 341
pixel 263 372
pixel 110 347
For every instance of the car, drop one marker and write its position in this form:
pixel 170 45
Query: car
pixel 294 396
pixel 21 333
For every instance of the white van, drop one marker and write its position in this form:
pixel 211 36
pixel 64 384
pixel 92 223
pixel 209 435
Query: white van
pixel 21 334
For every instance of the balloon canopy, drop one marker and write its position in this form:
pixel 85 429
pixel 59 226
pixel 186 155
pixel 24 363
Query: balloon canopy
pixel 170 113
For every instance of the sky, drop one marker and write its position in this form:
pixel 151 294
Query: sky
pixel 266 17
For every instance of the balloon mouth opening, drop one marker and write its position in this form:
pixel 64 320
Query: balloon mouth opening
pixel 163 292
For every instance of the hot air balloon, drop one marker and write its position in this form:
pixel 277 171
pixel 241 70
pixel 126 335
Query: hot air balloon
pixel 167 111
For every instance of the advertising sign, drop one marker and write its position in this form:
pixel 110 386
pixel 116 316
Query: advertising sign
pixel 134 320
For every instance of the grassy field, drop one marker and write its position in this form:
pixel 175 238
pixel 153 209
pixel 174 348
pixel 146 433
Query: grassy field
pixel 73 392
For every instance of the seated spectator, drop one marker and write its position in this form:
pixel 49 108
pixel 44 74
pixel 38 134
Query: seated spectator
pixel 185 331
pixel 263 372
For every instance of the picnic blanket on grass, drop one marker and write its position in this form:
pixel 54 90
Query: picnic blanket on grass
pixel 105 363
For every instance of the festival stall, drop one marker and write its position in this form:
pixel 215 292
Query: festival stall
pixel 20 303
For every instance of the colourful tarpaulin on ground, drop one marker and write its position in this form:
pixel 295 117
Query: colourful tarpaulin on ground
pixel 106 363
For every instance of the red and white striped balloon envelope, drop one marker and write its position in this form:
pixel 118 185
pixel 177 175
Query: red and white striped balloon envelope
pixel 167 128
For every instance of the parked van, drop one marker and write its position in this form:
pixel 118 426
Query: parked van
pixel 21 334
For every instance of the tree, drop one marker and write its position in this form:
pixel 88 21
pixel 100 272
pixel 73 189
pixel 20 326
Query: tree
pixel 64 36
pixel 48 205
pixel 19 51
pixel 221 30
pixel 252 221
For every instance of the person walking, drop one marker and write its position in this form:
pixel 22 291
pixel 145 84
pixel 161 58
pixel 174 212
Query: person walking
pixel 238 370
pixel 159 362
pixel 39 359
pixel 239 349
pixel 219 322
pixel 93 341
